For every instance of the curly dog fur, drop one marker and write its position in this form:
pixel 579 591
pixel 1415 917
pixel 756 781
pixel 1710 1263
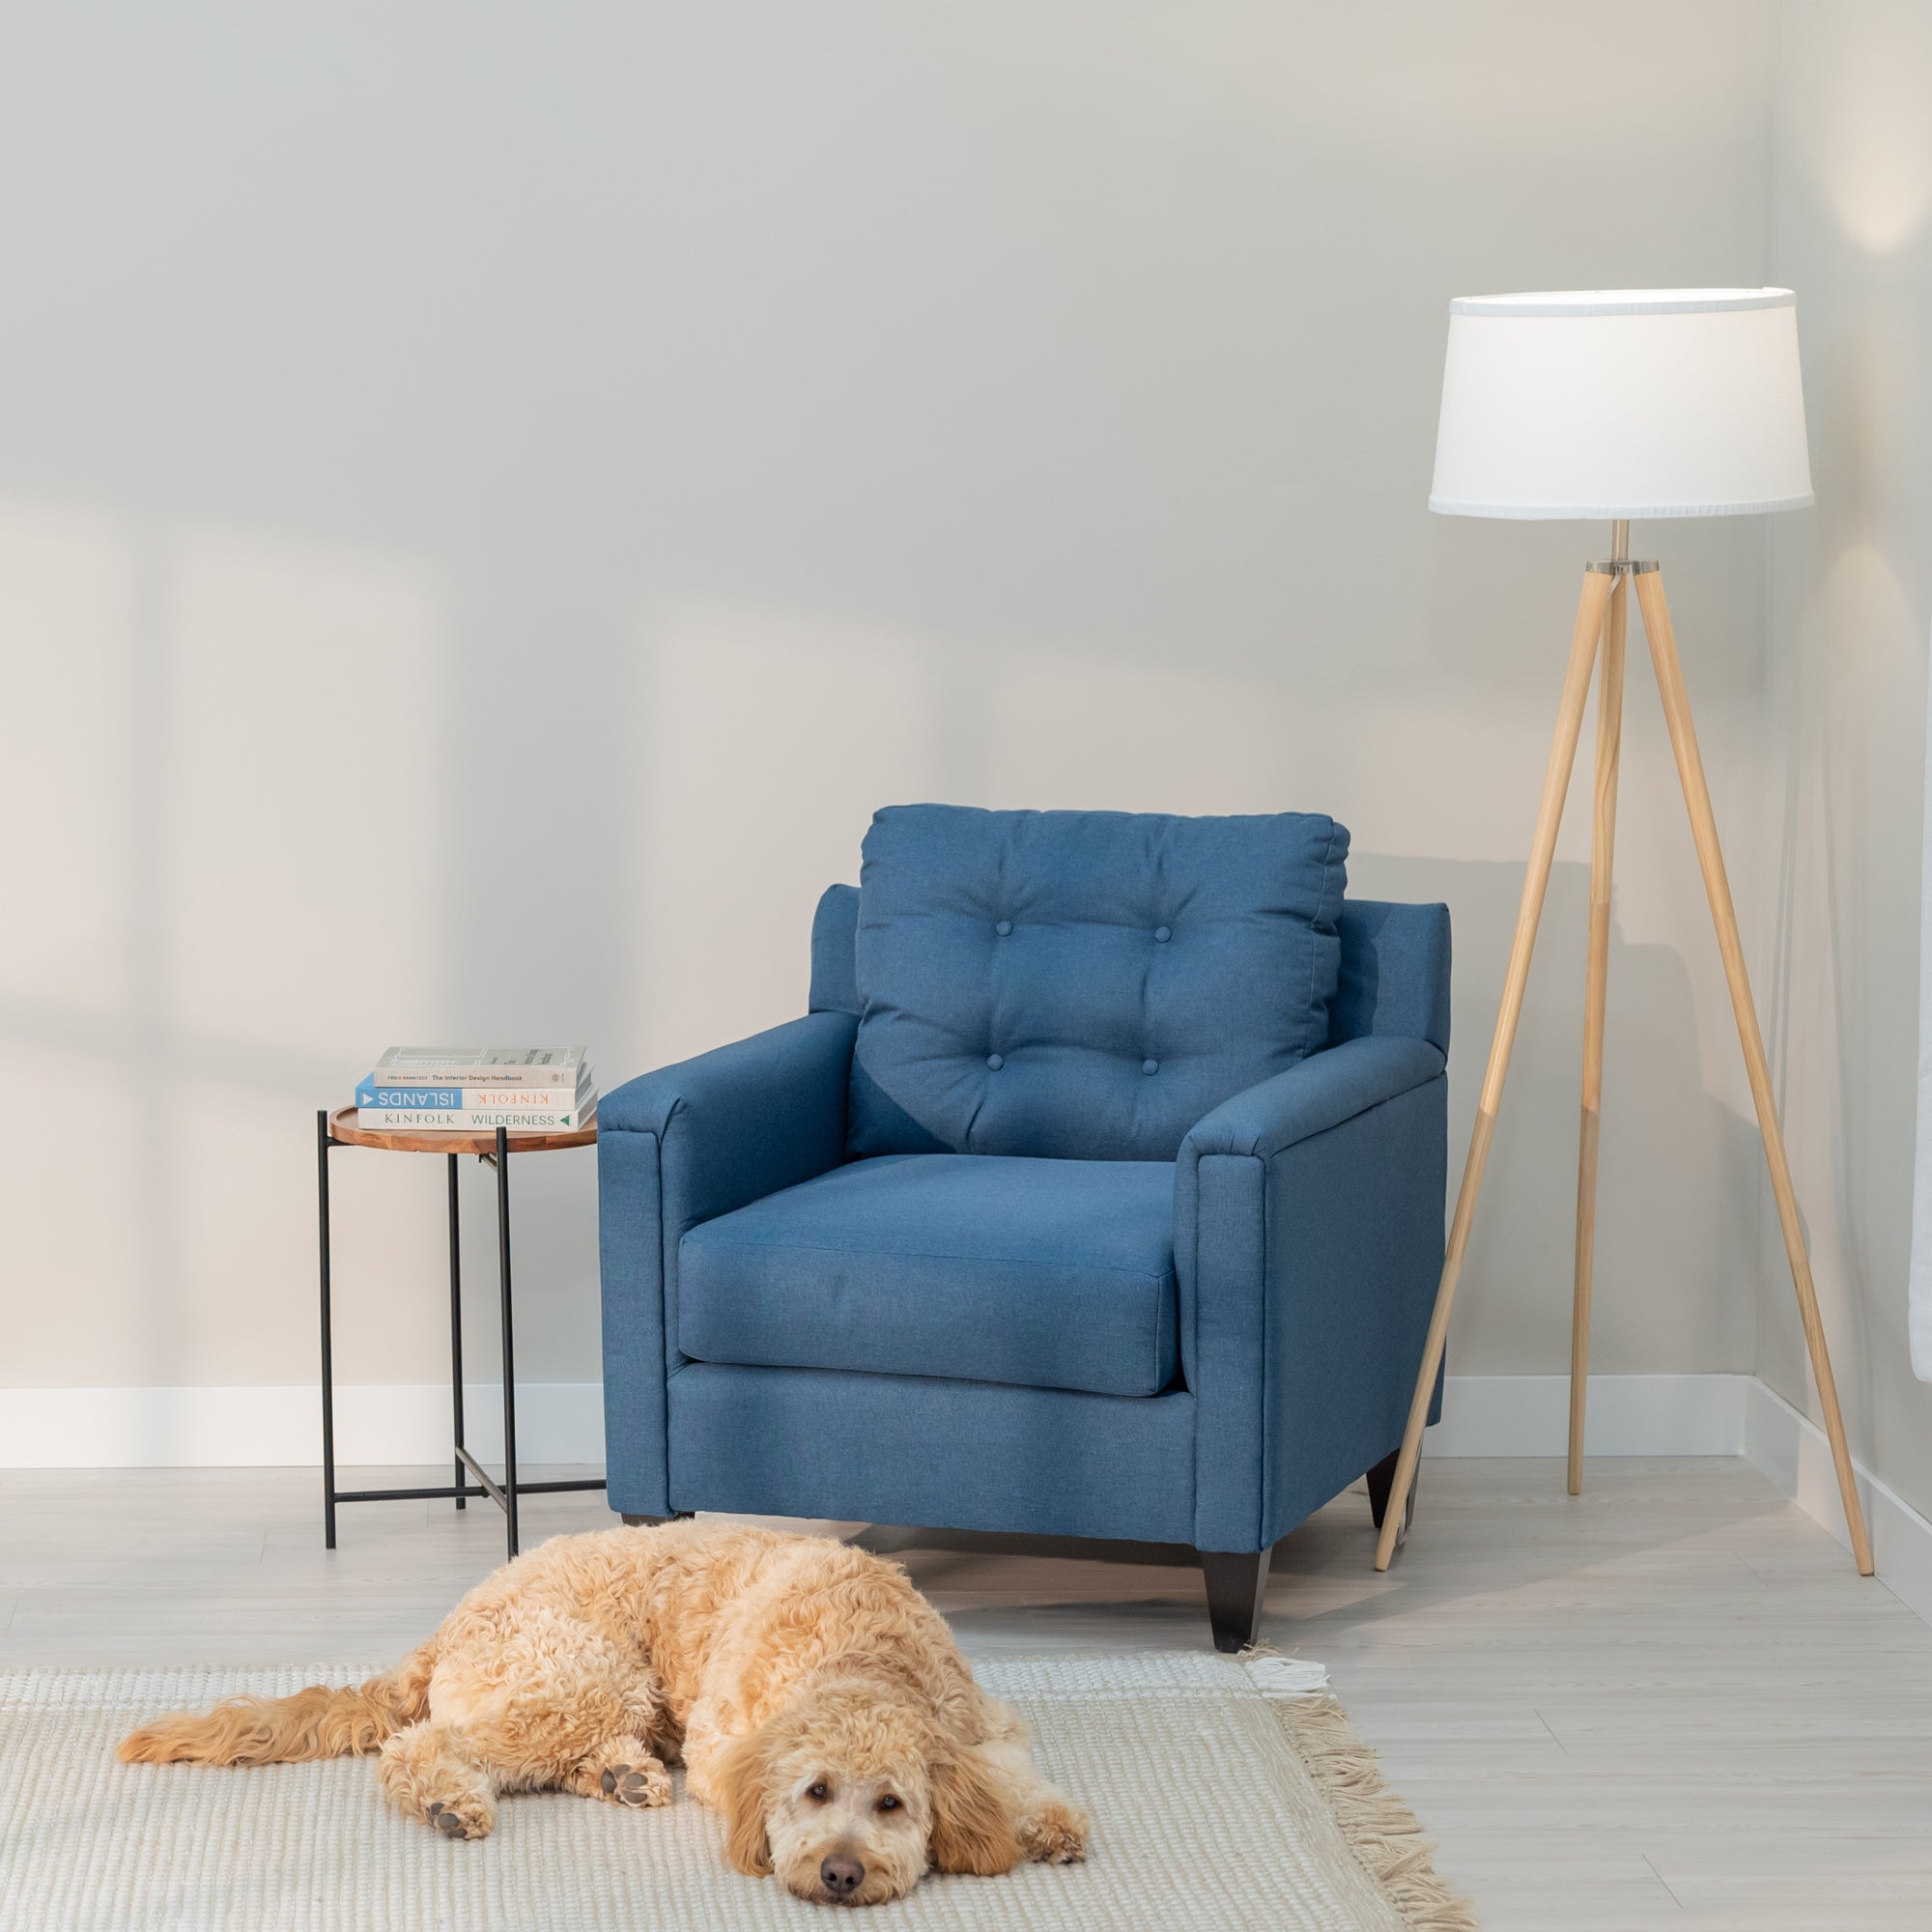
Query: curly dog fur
pixel 817 1700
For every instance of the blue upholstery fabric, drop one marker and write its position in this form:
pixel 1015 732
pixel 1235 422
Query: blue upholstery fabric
pixel 834 972
pixel 630 1234
pixel 674 1149
pixel 1392 978
pixel 1044 1274
pixel 1308 1240
pixel 1304 1220
pixel 905 1449
pixel 1319 1094
pixel 1395 972
pixel 1083 984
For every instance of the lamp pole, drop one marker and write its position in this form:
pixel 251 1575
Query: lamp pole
pixel 1596 989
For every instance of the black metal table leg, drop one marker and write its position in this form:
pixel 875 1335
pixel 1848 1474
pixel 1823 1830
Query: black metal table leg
pixel 322 1146
pixel 509 1351
pixel 456 1334
pixel 472 1478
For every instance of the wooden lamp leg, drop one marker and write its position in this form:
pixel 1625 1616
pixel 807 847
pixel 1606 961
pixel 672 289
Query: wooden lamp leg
pixel 1602 854
pixel 1549 816
pixel 1717 886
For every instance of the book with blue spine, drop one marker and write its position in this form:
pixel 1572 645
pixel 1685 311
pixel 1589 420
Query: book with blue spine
pixel 475 1088
pixel 444 1099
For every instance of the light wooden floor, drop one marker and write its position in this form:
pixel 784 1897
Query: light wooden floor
pixel 1669 1703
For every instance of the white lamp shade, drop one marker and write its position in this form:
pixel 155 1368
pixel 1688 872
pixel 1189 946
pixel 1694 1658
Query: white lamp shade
pixel 1622 404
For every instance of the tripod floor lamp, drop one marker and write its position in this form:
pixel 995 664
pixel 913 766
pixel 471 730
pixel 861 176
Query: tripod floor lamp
pixel 1618 405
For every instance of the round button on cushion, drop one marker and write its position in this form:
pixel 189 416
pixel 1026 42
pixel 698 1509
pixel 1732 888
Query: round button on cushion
pixel 1149 1067
pixel 1004 928
pixel 995 1062
pixel 1161 932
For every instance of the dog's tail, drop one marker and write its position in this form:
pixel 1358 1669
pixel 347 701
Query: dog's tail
pixel 320 1722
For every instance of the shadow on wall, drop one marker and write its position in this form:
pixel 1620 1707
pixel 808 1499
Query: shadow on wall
pixel 1673 1291
pixel 211 901
pixel 767 739
pixel 229 897
pixel 1849 606
pixel 229 914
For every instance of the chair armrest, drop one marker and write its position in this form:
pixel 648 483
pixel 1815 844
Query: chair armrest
pixel 1308 1219
pixel 749 1118
pixel 681 1145
pixel 1320 1093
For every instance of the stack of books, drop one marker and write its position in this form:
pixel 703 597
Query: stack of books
pixel 478 1089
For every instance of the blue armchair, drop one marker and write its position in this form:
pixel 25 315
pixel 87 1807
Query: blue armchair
pixel 1099 1193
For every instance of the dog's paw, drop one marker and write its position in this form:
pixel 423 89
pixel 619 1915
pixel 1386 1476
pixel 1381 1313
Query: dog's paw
pixel 465 1818
pixel 625 1771
pixel 427 1778
pixel 643 1784
pixel 1054 1835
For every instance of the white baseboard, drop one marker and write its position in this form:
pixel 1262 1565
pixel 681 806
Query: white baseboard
pixel 408 1425
pixel 563 1422
pixel 1626 1415
pixel 1792 1450
pixel 376 1423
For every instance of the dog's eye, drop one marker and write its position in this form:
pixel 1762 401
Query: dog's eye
pixel 819 1792
pixel 888 1803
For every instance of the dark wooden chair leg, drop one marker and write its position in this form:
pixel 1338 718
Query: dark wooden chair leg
pixel 1237 1580
pixel 1380 1481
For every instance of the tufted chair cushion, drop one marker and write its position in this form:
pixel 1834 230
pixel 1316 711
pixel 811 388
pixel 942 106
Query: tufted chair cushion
pixel 1083 984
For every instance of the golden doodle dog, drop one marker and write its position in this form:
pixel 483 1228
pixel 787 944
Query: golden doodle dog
pixel 817 1700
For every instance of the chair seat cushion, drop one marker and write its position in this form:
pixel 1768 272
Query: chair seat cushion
pixel 1042 1273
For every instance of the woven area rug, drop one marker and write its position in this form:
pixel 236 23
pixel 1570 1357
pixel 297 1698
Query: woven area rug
pixel 1224 1794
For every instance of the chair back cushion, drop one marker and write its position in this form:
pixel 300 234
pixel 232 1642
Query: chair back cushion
pixel 1083 984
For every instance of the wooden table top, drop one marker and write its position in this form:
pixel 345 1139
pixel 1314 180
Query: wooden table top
pixel 342 1127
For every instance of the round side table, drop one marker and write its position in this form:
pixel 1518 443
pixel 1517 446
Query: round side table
pixel 495 1148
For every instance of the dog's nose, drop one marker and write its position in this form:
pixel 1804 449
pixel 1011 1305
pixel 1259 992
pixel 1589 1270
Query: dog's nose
pixel 844 1875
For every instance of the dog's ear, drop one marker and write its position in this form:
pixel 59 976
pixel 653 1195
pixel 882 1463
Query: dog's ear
pixel 743 1785
pixel 972 1827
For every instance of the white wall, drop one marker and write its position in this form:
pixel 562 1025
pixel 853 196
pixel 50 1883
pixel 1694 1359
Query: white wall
pixel 1851 602
pixel 792 409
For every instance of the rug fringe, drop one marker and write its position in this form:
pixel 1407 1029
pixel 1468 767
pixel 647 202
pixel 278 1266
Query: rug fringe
pixel 1385 1834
